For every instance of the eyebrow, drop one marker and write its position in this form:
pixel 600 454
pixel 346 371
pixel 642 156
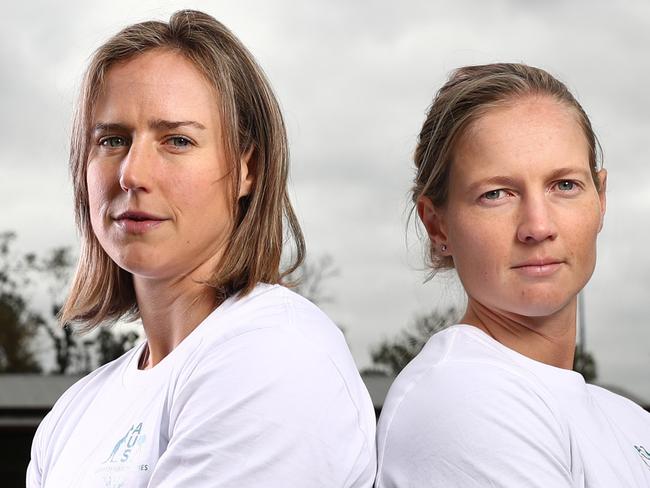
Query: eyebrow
pixel 169 124
pixel 155 124
pixel 110 127
pixel 492 181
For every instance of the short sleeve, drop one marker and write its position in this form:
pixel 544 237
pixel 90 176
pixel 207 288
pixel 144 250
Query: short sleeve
pixel 264 410
pixel 468 425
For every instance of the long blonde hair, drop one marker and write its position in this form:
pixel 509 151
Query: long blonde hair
pixel 252 122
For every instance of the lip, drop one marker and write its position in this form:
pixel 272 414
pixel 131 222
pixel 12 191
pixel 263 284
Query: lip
pixel 539 267
pixel 137 222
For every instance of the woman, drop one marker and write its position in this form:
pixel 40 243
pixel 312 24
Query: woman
pixel 179 163
pixel 511 193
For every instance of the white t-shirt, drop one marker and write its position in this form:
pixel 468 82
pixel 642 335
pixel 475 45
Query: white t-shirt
pixel 263 393
pixel 469 412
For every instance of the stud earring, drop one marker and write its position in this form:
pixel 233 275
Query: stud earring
pixel 443 248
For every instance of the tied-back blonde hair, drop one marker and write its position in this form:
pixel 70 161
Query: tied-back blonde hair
pixel 252 123
pixel 468 94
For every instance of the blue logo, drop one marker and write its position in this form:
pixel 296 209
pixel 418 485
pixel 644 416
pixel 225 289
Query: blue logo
pixel 124 447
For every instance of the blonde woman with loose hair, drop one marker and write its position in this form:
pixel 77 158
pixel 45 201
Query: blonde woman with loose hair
pixel 511 191
pixel 179 162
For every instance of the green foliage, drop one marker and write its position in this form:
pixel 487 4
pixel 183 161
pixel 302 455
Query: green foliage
pixel 18 325
pixel 17 328
pixel 21 325
pixel 112 346
pixel 393 354
pixel 53 269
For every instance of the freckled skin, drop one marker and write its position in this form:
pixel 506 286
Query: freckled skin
pixel 520 189
pixel 157 148
pixel 525 142
pixel 184 182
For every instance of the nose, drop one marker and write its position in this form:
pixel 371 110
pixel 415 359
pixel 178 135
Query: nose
pixel 136 169
pixel 536 222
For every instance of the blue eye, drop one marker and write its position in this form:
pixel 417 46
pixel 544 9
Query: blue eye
pixel 113 141
pixel 493 194
pixel 179 141
pixel 566 185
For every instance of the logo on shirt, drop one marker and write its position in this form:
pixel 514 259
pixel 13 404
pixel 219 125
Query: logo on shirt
pixel 124 465
pixel 645 455
pixel 124 447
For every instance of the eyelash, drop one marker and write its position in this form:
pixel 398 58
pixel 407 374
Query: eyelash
pixel 574 184
pixel 499 191
pixel 187 141
pixel 106 141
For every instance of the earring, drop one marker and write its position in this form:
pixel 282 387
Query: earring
pixel 443 248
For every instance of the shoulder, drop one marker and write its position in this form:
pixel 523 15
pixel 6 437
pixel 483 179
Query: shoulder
pixel 281 379
pixel 270 305
pixel 459 375
pixel 467 408
pixel 619 406
pixel 456 362
pixel 278 350
pixel 275 323
pixel 83 390
pixel 62 419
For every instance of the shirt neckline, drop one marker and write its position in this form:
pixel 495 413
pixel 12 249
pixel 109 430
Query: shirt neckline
pixel 131 371
pixel 533 365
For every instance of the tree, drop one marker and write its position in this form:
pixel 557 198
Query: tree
pixel 18 325
pixel 46 274
pixel 392 355
pixel 53 271
pixel 111 346
pixel 17 328
pixel 308 279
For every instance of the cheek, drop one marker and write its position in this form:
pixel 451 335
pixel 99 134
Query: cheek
pixel 98 189
pixel 481 249
pixel 478 242
pixel 582 236
pixel 200 195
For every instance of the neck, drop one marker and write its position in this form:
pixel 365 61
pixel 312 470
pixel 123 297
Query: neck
pixel 550 339
pixel 170 311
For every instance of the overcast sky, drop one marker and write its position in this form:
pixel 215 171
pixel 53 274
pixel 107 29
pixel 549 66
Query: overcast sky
pixel 354 80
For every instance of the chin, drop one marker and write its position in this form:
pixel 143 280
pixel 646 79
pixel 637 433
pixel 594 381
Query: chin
pixel 139 264
pixel 543 306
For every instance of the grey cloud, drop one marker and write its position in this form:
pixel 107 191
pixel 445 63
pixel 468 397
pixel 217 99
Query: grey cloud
pixel 355 79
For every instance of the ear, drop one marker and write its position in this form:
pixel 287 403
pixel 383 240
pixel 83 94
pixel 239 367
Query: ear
pixel 434 222
pixel 602 195
pixel 246 173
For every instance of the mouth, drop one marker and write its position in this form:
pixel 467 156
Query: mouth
pixel 539 267
pixel 136 222
pixel 137 216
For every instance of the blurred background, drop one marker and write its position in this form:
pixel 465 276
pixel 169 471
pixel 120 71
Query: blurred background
pixel 354 80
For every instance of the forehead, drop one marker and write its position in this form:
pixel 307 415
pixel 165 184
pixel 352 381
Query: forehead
pixel 531 135
pixel 160 81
